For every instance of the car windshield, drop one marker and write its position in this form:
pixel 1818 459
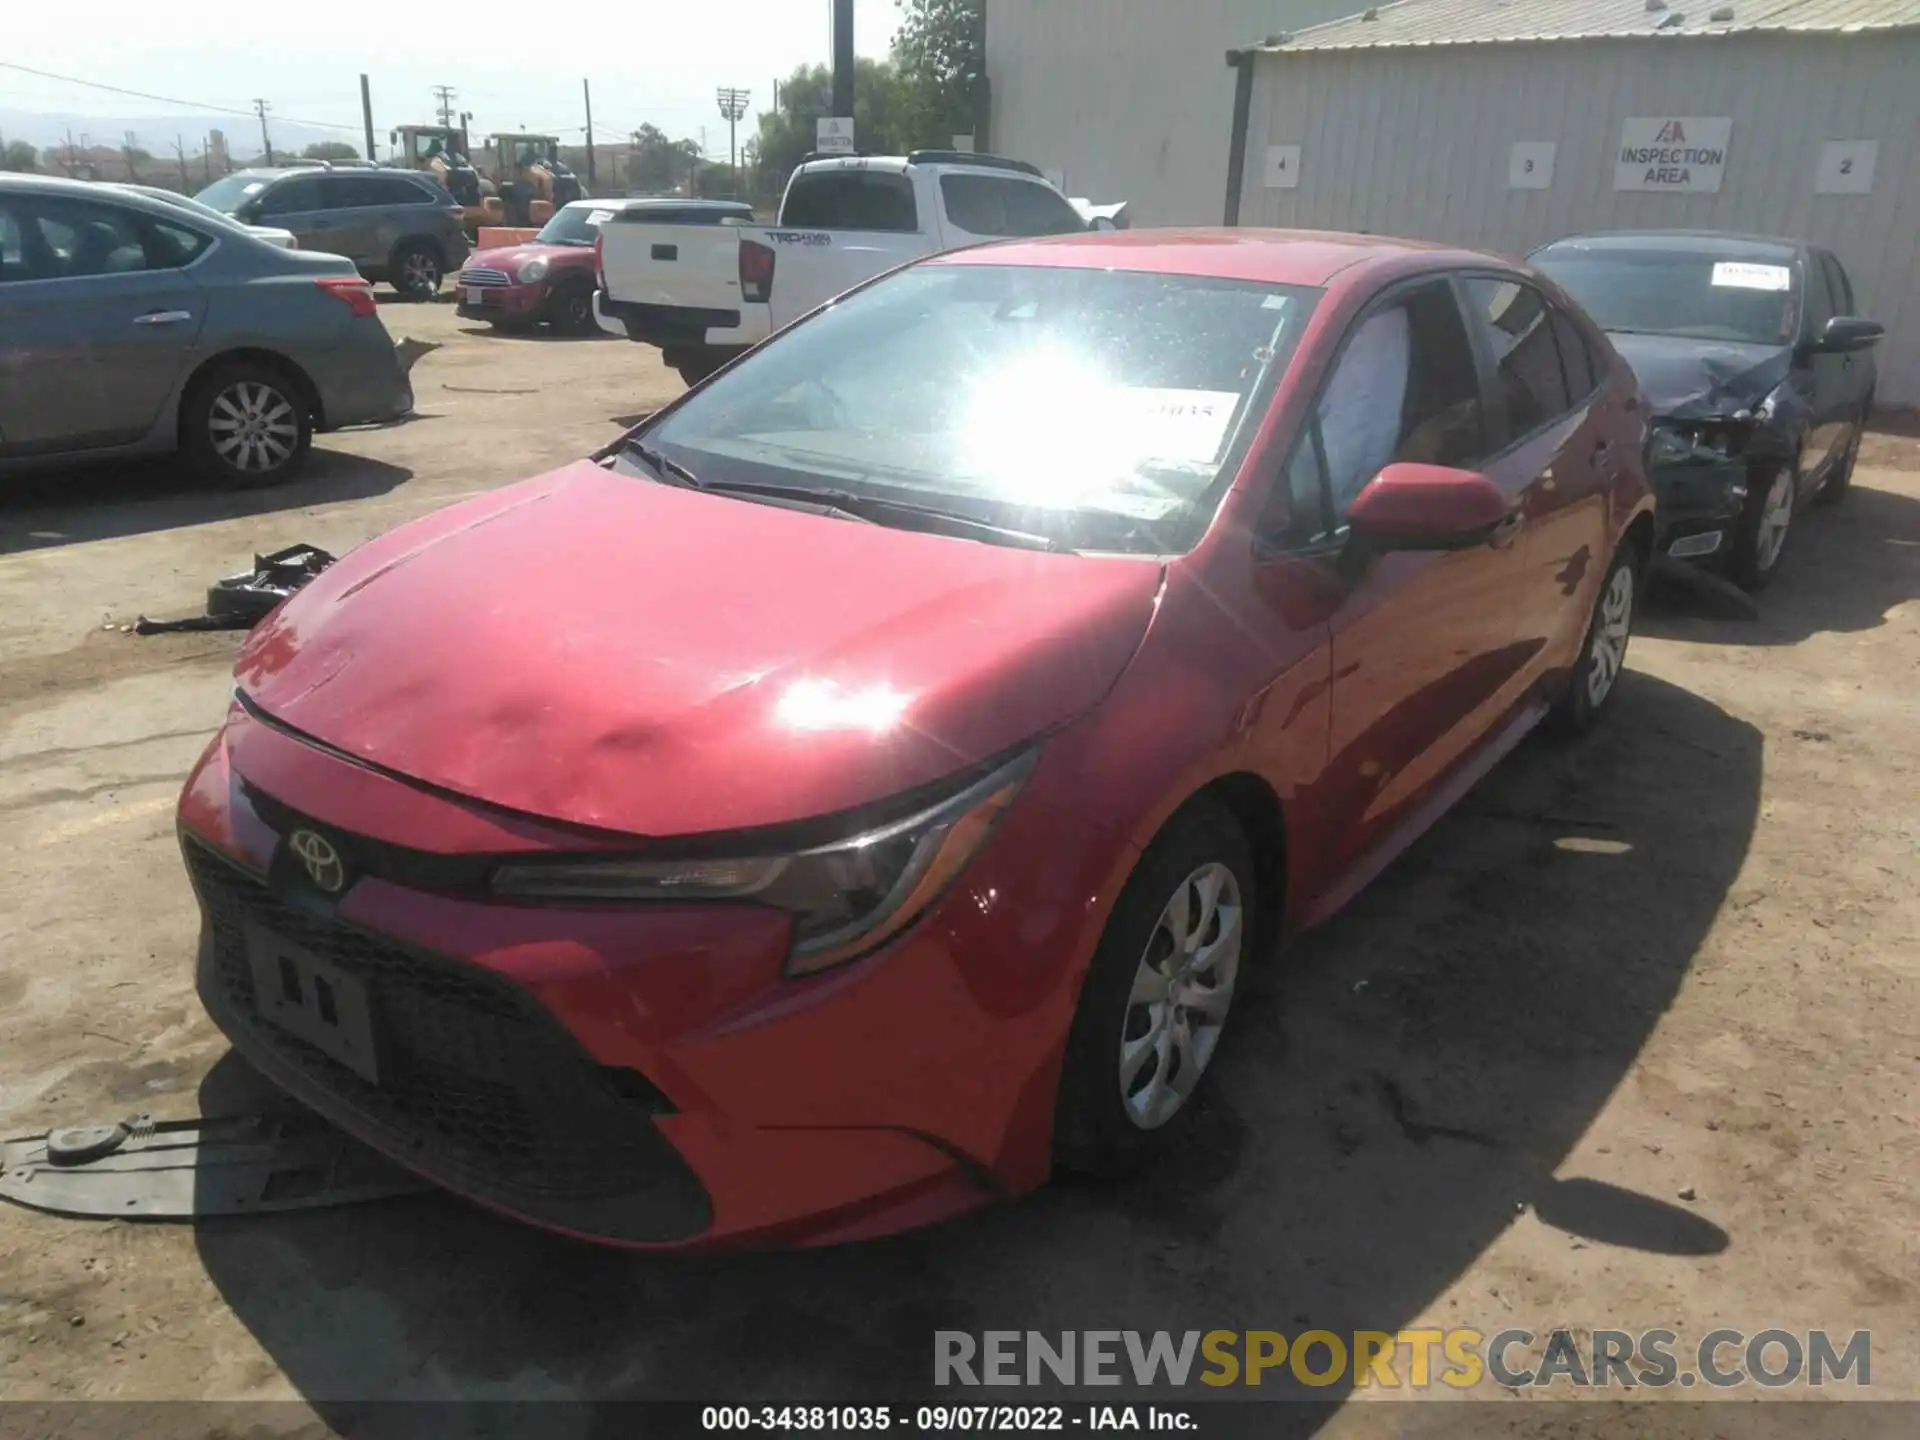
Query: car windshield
pixel 574 225
pixel 230 192
pixel 1693 294
pixel 1101 409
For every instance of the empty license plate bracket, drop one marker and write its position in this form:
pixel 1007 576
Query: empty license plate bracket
pixel 313 999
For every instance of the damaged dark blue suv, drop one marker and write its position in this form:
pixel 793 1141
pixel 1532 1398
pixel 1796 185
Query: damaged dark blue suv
pixel 1758 371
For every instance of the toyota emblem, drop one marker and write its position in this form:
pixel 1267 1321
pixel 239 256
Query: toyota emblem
pixel 322 862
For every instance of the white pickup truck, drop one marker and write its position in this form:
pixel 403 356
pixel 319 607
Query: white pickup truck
pixel 704 293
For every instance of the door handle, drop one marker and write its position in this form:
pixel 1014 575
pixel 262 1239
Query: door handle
pixel 163 317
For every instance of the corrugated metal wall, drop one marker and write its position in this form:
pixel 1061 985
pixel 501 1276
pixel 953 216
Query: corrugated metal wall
pixel 1416 142
pixel 1130 99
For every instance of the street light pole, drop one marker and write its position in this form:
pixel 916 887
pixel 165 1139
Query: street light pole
pixel 733 106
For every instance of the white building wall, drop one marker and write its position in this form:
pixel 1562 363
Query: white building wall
pixel 1130 99
pixel 1416 142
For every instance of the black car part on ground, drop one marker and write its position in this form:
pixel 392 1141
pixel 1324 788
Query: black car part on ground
pixel 137 1169
pixel 240 602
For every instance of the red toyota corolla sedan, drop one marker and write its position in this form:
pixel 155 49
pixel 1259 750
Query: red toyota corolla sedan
pixel 866 786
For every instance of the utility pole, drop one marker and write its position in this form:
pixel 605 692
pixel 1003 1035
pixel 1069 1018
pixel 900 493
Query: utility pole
pixel 444 94
pixel 260 108
pixel 69 150
pixel 180 150
pixel 733 105
pixel 366 116
pixel 586 93
pixel 843 58
pixel 128 144
pixel 206 158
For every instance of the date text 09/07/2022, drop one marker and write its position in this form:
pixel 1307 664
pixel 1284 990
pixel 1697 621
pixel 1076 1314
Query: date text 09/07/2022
pixel 945 1419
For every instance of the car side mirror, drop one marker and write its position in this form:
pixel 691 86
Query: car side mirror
pixel 1426 507
pixel 1847 333
pixel 1102 222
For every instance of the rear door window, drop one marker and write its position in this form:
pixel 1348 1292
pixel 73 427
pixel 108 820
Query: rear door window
pixel 1000 205
pixel 851 200
pixel 1514 320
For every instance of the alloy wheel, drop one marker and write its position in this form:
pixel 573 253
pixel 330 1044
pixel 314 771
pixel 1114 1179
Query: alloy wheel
pixel 1611 628
pixel 420 272
pixel 1181 993
pixel 254 427
pixel 1774 520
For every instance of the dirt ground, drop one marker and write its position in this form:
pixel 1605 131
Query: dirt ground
pixel 1630 1041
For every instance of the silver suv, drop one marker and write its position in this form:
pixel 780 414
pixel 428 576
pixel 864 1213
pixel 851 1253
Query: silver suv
pixel 395 225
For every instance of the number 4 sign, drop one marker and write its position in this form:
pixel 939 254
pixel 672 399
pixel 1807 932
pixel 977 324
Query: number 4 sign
pixel 1846 167
pixel 1283 167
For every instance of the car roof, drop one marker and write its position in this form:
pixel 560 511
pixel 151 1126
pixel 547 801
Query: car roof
pixel 663 202
pixel 1721 244
pixel 1279 257
pixel 142 197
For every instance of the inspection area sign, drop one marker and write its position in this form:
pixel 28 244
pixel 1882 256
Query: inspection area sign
pixel 1680 154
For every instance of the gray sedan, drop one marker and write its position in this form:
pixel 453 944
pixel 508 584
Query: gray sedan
pixel 128 326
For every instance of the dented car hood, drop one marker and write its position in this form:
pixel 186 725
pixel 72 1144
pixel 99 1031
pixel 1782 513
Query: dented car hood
pixel 601 650
pixel 1687 379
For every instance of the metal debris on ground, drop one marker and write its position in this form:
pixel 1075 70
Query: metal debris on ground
pixel 240 602
pixel 191 1169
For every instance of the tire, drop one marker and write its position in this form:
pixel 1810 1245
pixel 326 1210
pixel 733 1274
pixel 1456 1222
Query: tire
pixel 1841 480
pixel 417 270
pixel 570 310
pixel 1603 654
pixel 1765 526
pixel 245 425
pixel 1109 1123
pixel 696 365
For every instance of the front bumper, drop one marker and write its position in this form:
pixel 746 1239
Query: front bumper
pixel 496 302
pixel 1698 507
pixel 647 1076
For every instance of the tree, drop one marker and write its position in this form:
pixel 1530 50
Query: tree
pixel 19 155
pixel 657 165
pixel 806 96
pixel 330 150
pixel 940 54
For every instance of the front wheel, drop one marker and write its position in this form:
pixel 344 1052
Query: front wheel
pixel 1157 995
pixel 1761 535
pixel 1604 655
pixel 570 311
pixel 245 425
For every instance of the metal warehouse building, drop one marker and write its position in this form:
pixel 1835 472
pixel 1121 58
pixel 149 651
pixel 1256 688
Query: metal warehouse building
pixel 1128 99
pixel 1502 125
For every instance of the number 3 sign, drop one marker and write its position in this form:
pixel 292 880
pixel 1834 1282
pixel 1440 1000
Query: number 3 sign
pixel 1531 165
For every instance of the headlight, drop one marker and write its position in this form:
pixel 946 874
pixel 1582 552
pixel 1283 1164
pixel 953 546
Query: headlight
pixel 845 898
pixel 534 269
pixel 1669 447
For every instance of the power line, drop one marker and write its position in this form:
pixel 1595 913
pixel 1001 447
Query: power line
pixel 164 99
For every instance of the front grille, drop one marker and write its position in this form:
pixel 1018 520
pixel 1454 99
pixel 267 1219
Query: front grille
pixel 479 1086
pixel 481 275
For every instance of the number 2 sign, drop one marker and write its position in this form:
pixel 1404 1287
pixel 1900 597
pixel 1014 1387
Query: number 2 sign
pixel 1846 167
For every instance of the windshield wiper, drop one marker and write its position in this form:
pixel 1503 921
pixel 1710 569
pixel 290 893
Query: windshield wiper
pixel 670 470
pixel 872 507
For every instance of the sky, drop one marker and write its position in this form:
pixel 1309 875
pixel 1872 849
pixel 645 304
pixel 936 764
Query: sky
pixel 649 61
